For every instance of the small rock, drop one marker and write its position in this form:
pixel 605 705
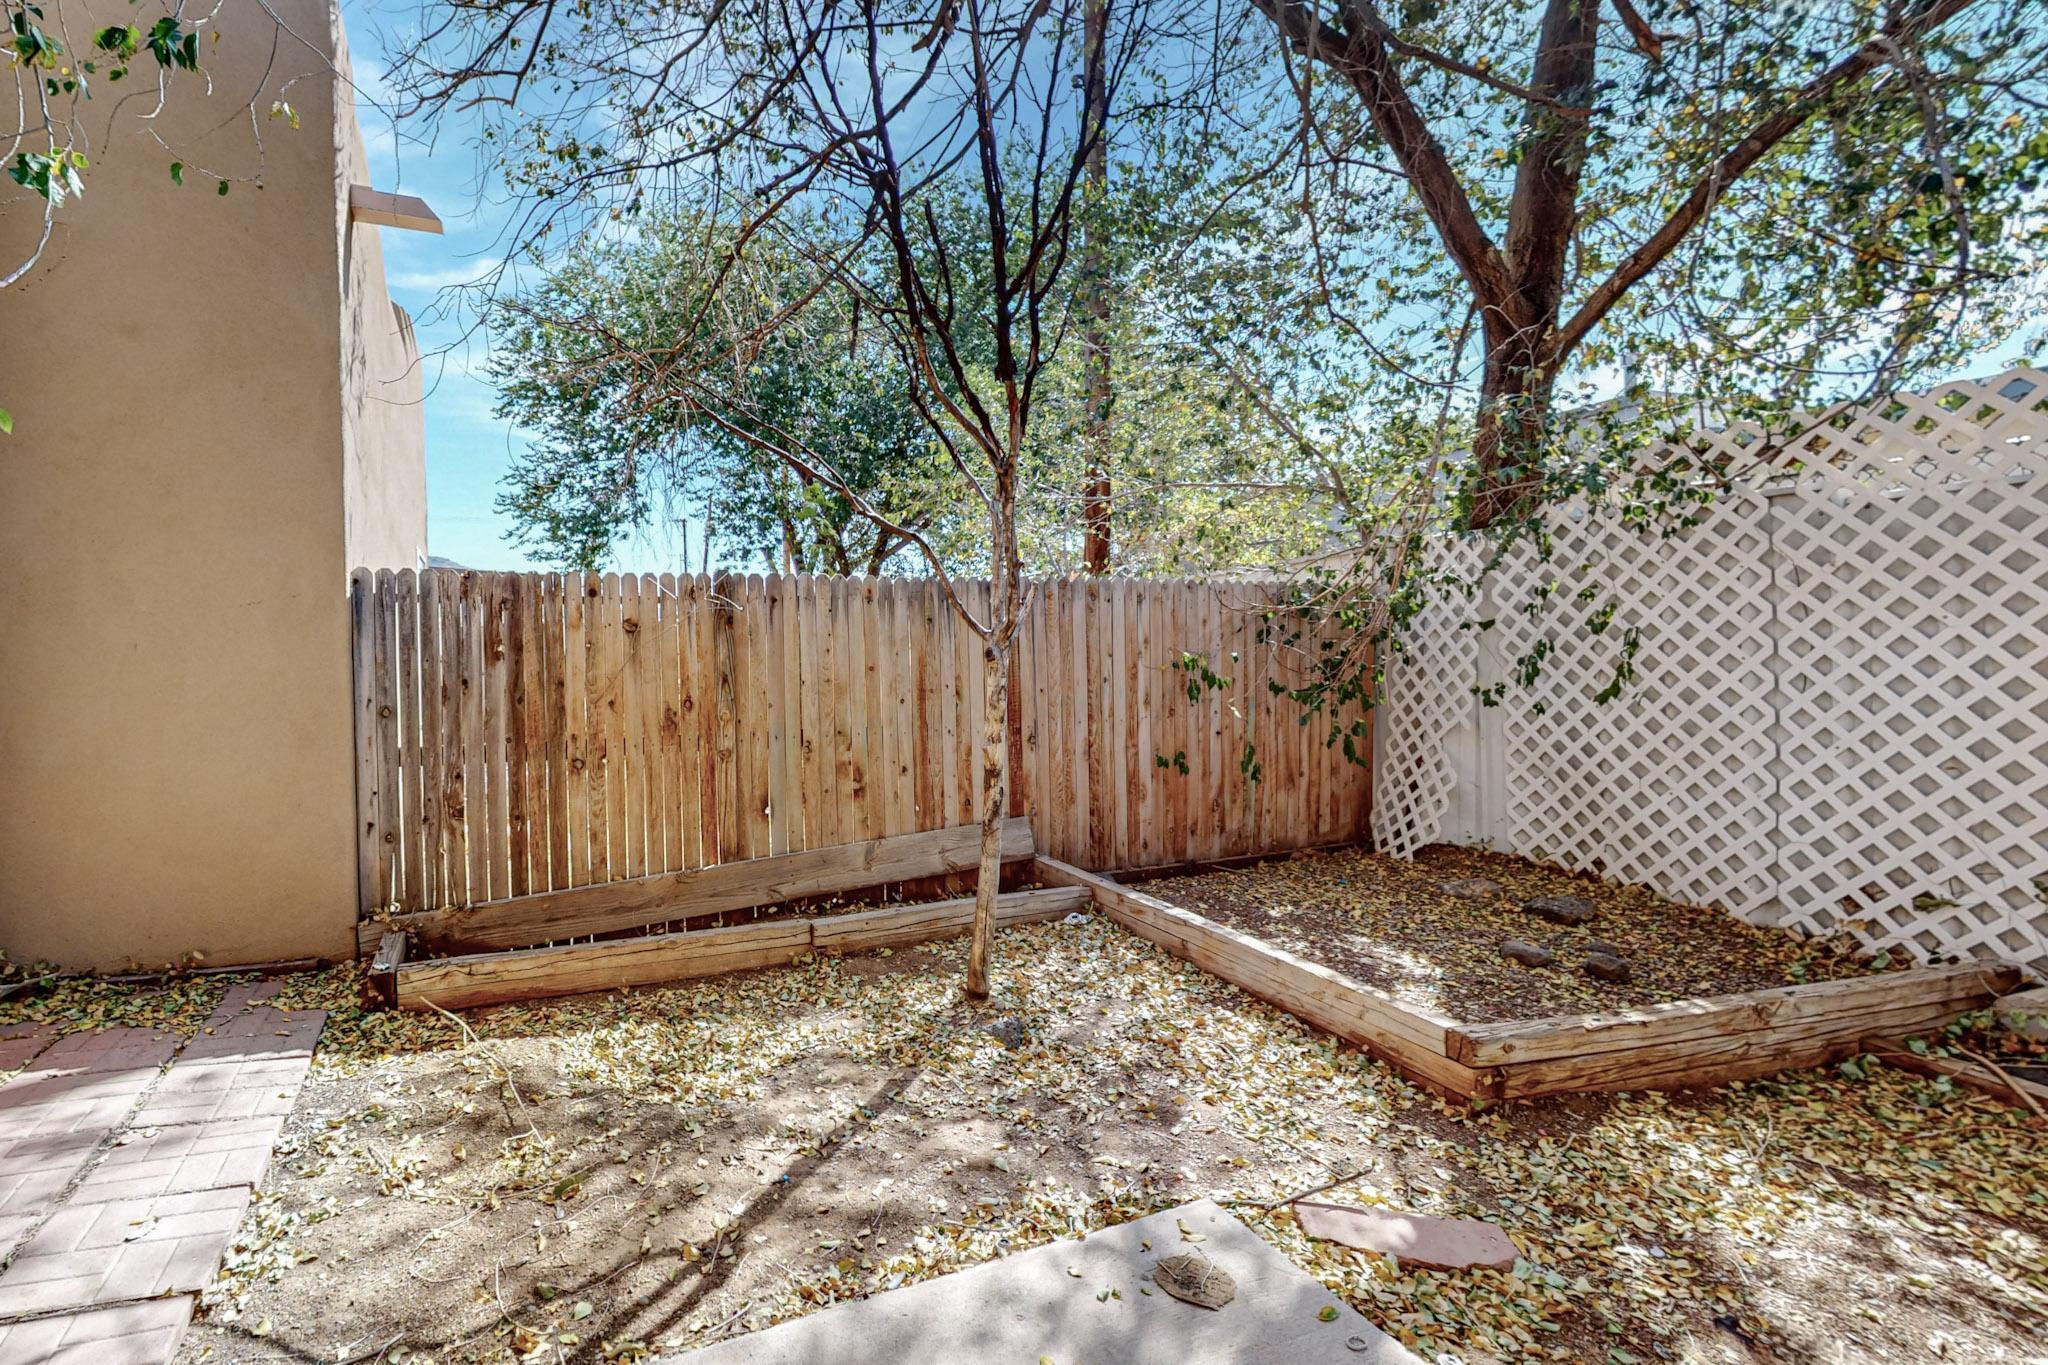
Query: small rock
pixel 1196 1279
pixel 1607 967
pixel 1562 909
pixel 1528 954
pixel 1008 1031
pixel 1601 945
pixel 1470 888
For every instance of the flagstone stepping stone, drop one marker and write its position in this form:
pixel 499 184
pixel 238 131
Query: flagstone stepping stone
pixel 1528 954
pixel 1562 909
pixel 1607 967
pixel 1417 1239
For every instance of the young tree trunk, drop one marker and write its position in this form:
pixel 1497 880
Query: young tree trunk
pixel 1096 495
pixel 1006 600
pixel 995 799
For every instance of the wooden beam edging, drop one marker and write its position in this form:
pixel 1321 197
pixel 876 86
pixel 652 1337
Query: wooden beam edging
pixel 573 968
pixel 381 982
pixel 1962 986
pixel 1407 1037
pixel 1894 1052
pixel 607 907
pixel 1705 1041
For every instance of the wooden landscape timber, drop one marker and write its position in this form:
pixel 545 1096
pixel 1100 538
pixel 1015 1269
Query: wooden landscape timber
pixel 573 968
pixel 1406 1037
pixel 610 907
pixel 1702 1042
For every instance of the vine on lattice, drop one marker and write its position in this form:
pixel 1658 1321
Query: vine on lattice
pixel 1839 713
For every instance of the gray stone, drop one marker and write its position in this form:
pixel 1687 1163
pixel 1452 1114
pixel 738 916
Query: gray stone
pixel 1008 1031
pixel 1193 1278
pixel 1528 954
pixel 2024 1012
pixel 1607 967
pixel 1601 945
pixel 1470 888
pixel 1562 909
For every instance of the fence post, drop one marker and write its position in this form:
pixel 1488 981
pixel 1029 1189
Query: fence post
pixel 361 617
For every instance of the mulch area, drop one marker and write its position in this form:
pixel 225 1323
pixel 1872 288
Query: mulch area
pixel 609 1176
pixel 1392 925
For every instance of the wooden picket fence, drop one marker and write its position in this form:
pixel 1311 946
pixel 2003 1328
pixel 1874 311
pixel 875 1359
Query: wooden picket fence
pixel 525 733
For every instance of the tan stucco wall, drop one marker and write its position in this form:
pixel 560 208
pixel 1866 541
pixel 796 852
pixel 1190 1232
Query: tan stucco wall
pixel 384 473
pixel 175 741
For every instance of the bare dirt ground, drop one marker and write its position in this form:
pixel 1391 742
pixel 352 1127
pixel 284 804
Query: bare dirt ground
pixel 604 1177
pixel 1397 925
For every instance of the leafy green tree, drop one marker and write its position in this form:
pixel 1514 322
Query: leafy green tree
pixel 1760 203
pixel 617 442
pixel 774 121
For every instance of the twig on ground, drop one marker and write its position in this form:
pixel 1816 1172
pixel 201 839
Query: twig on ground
pixel 2004 1078
pixel 504 1072
pixel 1326 1185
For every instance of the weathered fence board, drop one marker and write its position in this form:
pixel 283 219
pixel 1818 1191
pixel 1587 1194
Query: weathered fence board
pixel 525 734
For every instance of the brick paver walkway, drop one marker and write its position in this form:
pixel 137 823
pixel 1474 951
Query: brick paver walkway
pixel 127 1158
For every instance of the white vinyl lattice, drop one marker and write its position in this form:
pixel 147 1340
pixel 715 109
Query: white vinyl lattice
pixel 1426 721
pixel 1840 718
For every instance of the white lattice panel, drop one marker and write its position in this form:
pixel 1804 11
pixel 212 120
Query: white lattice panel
pixel 1426 722
pixel 1694 727
pixel 1841 712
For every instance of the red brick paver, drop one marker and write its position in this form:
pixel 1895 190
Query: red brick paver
pixel 42 1103
pixel 89 1254
pixel 21 1042
pixel 129 1334
pixel 122 1181
pixel 214 1091
pixel 14 1227
pixel 35 1170
pixel 114 1049
pixel 260 1033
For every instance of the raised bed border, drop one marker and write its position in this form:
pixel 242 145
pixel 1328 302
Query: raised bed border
pixel 573 968
pixel 698 892
pixel 1709 1040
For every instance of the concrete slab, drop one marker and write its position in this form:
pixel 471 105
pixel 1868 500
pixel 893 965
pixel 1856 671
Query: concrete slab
pixel 131 1334
pixel 1046 1303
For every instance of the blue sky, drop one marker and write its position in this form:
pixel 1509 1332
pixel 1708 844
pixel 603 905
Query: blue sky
pixel 468 450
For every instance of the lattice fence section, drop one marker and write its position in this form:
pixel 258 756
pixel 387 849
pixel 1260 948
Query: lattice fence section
pixel 1840 718
pixel 1913 675
pixel 1693 728
pixel 1427 718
